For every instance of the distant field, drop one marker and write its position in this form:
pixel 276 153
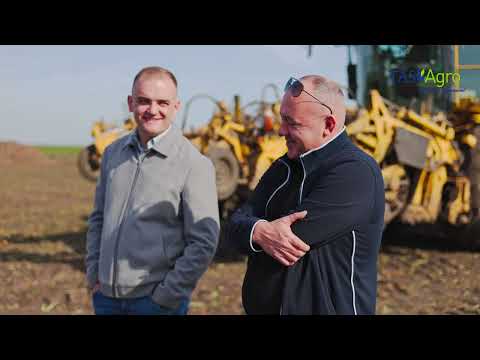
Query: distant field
pixel 54 150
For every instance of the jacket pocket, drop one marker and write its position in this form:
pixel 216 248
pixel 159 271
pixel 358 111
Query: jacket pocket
pixel 173 249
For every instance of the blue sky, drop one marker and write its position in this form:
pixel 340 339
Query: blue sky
pixel 51 95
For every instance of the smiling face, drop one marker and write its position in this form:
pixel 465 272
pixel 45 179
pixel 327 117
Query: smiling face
pixel 301 126
pixel 306 124
pixel 154 104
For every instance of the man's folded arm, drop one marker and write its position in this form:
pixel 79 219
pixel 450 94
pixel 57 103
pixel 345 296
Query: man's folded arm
pixel 337 203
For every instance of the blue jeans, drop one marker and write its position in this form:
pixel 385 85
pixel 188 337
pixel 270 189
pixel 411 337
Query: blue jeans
pixel 104 305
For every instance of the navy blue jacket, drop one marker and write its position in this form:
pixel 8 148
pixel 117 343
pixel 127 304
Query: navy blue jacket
pixel 342 189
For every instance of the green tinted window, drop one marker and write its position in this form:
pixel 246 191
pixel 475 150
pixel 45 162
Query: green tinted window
pixel 469 54
pixel 470 81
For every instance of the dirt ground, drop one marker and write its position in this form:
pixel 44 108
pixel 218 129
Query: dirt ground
pixel 43 211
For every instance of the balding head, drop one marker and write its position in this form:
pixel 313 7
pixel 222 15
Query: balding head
pixel 330 93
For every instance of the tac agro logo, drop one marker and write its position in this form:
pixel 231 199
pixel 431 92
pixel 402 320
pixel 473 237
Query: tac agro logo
pixel 427 79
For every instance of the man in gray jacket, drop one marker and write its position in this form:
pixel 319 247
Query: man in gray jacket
pixel 155 224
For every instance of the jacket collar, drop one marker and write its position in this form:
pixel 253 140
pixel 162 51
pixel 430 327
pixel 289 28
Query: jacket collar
pixel 315 158
pixel 164 144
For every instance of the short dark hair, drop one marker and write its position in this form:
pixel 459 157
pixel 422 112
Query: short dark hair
pixel 154 70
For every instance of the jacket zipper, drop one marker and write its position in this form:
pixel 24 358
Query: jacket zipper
pixel 282 185
pixel 299 201
pixel 115 254
pixel 303 181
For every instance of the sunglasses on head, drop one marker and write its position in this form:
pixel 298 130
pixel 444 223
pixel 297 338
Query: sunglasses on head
pixel 296 87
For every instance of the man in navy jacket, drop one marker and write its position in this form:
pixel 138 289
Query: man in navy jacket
pixel 313 226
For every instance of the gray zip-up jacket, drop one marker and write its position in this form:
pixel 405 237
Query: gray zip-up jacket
pixel 155 224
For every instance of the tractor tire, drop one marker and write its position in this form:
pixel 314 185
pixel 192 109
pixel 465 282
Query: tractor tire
pixel 84 162
pixel 470 235
pixel 227 171
pixel 471 232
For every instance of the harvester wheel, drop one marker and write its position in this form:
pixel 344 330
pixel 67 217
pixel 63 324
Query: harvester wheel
pixel 471 233
pixel 227 171
pixel 87 165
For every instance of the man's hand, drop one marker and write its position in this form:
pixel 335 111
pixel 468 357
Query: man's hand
pixel 277 239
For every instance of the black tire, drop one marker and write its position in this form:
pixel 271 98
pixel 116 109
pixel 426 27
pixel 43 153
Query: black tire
pixel 89 169
pixel 469 235
pixel 227 171
pixel 474 171
pixel 471 232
